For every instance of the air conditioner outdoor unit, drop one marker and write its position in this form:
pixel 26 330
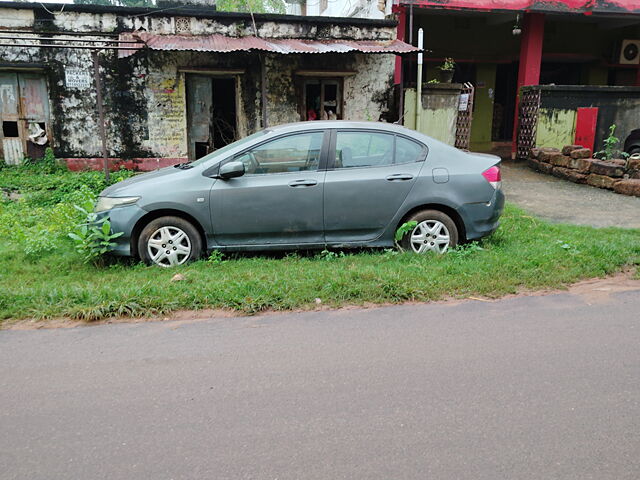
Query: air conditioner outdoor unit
pixel 630 52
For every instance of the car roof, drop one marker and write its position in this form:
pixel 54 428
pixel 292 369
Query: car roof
pixel 297 126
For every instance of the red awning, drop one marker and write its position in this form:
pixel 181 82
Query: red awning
pixel 223 44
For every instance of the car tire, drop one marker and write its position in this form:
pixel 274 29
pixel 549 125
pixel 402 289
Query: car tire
pixel 429 235
pixel 169 242
pixel 633 150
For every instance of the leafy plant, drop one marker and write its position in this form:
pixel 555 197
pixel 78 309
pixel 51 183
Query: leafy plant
pixel 93 238
pixel 328 255
pixel 449 64
pixel 47 164
pixel 433 80
pixel 402 230
pixel 216 257
pixel 463 251
pixel 610 150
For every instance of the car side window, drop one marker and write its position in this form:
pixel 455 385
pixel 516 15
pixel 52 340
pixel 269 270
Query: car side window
pixel 363 149
pixel 293 153
pixel 408 151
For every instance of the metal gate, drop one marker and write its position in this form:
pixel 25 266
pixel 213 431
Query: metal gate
pixel 527 121
pixel 465 117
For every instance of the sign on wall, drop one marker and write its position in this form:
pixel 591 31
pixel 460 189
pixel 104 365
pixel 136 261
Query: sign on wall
pixel 77 78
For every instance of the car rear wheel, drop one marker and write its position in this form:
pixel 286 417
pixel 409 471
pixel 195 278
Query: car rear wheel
pixel 168 242
pixel 434 232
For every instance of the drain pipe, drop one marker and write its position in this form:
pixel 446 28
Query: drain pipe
pixel 419 81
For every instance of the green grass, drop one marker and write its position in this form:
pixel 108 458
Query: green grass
pixel 525 253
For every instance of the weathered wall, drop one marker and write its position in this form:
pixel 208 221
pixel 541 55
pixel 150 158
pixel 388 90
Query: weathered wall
pixel 439 111
pixel 559 104
pixel 144 94
pixel 366 94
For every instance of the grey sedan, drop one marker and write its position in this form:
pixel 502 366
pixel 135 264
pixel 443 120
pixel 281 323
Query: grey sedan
pixel 308 185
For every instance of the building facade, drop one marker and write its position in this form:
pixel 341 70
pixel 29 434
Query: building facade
pixel 500 46
pixel 178 84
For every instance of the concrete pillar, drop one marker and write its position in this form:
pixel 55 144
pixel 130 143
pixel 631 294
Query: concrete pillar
pixel 530 61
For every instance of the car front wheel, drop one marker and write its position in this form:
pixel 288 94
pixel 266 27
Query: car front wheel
pixel 168 242
pixel 434 232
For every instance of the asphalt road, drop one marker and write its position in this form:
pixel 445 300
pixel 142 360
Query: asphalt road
pixel 524 388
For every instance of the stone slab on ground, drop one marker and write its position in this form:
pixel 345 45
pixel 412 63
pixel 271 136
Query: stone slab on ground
pixel 581 153
pixel 546 153
pixel 628 187
pixel 609 169
pixel 601 181
pixel 560 160
pixel 583 165
pixel 567 149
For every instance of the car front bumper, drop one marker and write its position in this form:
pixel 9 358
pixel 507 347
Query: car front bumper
pixel 123 219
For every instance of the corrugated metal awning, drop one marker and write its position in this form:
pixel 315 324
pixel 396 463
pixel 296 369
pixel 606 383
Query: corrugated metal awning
pixel 224 44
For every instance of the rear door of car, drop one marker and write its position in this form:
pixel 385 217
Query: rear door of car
pixel 278 201
pixel 370 173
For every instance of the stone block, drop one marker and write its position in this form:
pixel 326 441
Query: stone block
pixel 546 153
pixel 534 153
pixel 601 181
pixel 583 165
pixel 533 164
pixel 628 187
pixel 609 169
pixel 566 150
pixel 559 160
pixel 581 153
pixel 634 173
pixel 559 172
pixel 576 176
pixel 633 164
pixel 618 161
pixel 545 167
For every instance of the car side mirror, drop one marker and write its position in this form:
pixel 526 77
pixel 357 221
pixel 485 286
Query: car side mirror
pixel 231 170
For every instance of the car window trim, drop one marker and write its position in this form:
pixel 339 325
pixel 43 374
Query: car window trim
pixel 331 160
pixel 324 151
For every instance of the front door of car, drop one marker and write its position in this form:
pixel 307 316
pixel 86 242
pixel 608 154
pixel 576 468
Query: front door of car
pixel 372 175
pixel 278 201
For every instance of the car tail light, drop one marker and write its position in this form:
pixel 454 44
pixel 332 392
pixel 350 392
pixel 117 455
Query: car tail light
pixel 492 175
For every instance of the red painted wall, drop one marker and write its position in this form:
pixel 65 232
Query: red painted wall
pixel 577 6
pixel 138 164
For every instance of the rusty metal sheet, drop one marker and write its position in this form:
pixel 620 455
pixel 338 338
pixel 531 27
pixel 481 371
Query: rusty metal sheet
pixel 223 44
pixel 12 151
pixel 9 96
pixel 33 92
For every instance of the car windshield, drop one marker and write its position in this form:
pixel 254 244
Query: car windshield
pixel 222 151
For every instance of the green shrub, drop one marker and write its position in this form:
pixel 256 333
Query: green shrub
pixel 93 237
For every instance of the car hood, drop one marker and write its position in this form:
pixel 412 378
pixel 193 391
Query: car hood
pixel 128 186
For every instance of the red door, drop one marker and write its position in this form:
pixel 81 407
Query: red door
pixel 586 127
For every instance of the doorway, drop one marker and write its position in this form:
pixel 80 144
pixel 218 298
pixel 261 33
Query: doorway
pixel 504 103
pixel 211 113
pixel 24 116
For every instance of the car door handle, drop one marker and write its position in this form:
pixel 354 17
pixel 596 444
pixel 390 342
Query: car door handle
pixel 399 176
pixel 303 183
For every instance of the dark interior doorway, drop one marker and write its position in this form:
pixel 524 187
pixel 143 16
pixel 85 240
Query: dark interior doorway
pixel 504 102
pixel 211 113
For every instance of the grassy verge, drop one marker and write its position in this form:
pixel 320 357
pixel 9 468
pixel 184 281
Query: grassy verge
pixel 525 253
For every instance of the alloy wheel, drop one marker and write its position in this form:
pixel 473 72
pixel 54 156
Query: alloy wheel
pixel 169 246
pixel 430 236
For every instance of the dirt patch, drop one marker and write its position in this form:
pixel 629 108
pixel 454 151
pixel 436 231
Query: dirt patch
pixel 593 291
